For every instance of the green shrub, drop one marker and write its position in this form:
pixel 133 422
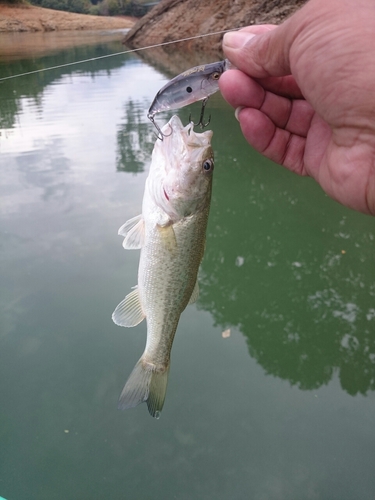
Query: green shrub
pixel 95 7
pixel 78 6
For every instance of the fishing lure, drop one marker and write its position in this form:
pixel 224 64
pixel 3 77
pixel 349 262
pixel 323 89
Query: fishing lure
pixel 195 84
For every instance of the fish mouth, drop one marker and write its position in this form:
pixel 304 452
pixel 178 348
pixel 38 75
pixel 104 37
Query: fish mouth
pixel 176 136
pixel 178 160
pixel 181 146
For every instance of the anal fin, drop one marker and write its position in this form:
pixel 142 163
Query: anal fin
pixel 129 312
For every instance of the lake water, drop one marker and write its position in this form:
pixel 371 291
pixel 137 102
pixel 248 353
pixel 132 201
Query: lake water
pixel 283 408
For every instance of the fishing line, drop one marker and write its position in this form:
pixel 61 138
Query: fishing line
pixel 116 54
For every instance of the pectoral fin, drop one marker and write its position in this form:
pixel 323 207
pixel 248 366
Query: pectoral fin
pixel 129 312
pixel 168 237
pixel 133 230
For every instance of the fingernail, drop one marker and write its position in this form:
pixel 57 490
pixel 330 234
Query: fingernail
pixel 237 39
pixel 237 112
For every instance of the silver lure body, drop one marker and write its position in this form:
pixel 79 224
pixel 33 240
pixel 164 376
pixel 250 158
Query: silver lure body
pixel 193 85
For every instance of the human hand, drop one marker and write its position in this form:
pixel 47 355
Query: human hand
pixel 304 94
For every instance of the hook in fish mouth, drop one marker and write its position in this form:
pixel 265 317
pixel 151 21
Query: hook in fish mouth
pixel 160 135
pixel 201 117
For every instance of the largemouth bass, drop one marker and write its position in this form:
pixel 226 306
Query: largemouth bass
pixel 171 233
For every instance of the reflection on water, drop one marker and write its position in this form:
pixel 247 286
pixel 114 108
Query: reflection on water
pixel 33 85
pixel 16 45
pixel 298 282
pixel 289 271
pixel 134 145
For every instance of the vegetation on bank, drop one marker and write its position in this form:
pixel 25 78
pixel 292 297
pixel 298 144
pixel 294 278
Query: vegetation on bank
pixel 134 8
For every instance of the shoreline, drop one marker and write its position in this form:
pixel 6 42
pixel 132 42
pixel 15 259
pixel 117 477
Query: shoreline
pixel 16 45
pixel 30 18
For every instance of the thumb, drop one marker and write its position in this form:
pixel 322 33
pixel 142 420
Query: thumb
pixel 261 55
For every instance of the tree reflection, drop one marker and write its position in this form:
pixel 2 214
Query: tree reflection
pixel 295 273
pixel 33 85
pixel 135 137
pixel 134 140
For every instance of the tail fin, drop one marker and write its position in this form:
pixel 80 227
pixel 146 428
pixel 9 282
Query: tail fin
pixel 146 383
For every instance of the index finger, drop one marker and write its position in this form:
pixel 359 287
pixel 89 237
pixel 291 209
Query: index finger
pixel 242 91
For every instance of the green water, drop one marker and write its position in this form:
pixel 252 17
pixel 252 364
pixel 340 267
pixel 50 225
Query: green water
pixel 284 408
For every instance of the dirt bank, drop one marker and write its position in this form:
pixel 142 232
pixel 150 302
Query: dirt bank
pixel 31 18
pixel 175 19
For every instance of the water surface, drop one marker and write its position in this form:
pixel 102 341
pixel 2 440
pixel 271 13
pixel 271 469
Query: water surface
pixel 283 408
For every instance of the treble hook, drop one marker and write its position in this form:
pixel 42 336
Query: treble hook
pixel 160 135
pixel 201 123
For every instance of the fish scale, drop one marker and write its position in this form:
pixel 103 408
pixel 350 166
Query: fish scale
pixel 179 273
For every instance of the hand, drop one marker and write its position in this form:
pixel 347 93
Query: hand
pixel 304 94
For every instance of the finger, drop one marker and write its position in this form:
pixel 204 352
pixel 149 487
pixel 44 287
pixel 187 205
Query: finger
pixel 258 29
pixel 242 91
pixel 261 54
pixel 277 144
pixel 285 86
pixel 292 115
pixel 282 85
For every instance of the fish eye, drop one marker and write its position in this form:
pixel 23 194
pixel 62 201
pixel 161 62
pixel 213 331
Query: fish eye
pixel 189 90
pixel 208 165
pixel 216 75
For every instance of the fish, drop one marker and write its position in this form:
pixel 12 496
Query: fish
pixel 193 85
pixel 171 233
